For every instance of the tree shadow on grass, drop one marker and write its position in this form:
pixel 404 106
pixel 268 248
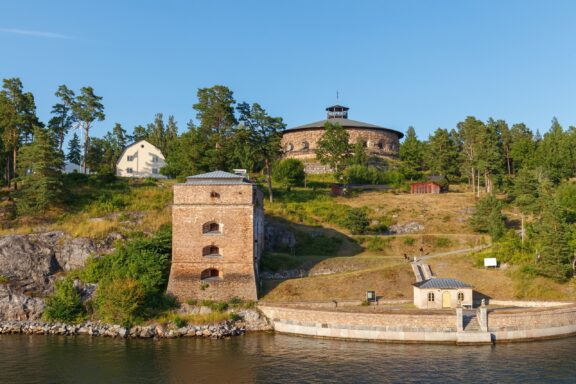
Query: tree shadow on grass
pixel 313 244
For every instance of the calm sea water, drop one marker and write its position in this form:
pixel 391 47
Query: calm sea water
pixel 266 358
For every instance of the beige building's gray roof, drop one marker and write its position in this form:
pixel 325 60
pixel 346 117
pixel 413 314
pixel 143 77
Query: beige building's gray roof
pixel 442 283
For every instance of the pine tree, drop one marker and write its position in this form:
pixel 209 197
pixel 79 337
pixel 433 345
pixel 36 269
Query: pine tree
pixel 487 217
pixel 554 153
pixel 266 133
pixel 40 167
pixel 412 155
pixel 157 132
pixel 74 150
pixel 442 155
pixel 139 133
pixel 87 108
pixel 63 118
pixel 522 147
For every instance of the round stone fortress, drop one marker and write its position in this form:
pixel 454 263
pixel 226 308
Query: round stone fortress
pixel 301 142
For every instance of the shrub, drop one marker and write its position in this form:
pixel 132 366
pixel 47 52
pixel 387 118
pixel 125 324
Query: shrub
pixel 409 240
pixel 179 321
pixel 289 173
pixel 119 300
pixel 64 304
pixel 356 221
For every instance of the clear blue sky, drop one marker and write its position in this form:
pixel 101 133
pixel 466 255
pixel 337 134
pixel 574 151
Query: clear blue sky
pixel 428 64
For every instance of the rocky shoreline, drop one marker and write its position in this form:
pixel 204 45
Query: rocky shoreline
pixel 221 330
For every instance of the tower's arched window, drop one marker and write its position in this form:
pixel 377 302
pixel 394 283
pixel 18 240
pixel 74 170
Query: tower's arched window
pixel 211 251
pixel 460 296
pixel 212 228
pixel 380 145
pixel 289 147
pixel 210 274
pixel 364 143
pixel 305 146
pixel 431 296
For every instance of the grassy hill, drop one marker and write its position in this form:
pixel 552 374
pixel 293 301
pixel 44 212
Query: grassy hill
pixel 341 264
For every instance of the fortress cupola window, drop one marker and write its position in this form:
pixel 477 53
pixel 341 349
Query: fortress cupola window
pixel 431 296
pixel 337 112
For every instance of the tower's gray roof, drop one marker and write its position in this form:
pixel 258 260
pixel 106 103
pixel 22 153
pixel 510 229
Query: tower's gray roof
pixel 442 283
pixel 346 123
pixel 216 178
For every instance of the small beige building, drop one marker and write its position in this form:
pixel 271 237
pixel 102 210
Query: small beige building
pixel 438 293
pixel 140 159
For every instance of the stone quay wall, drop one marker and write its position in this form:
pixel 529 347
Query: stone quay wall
pixel 504 325
pixel 302 143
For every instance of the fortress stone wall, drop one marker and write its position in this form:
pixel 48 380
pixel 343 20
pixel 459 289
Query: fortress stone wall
pixel 302 144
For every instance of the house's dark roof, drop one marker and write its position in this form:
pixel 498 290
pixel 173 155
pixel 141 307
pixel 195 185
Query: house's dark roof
pixel 442 283
pixel 216 178
pixel 346 123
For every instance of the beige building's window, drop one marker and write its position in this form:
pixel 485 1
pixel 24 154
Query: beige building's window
pixel 130 158
pixel 155 171
pixel 212 228
pixel 431 296
pixel 460 296
pixel 155 158
pixel 129 170
pixel 210 274
pixel 211 251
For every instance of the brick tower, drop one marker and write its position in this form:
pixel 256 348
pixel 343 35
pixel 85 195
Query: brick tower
pixel 217 237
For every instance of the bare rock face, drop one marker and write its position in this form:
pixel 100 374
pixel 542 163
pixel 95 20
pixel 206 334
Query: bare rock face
pixel 29 263
pixel 16 305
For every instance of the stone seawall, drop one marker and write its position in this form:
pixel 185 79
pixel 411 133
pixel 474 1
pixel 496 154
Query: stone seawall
pixel 503 325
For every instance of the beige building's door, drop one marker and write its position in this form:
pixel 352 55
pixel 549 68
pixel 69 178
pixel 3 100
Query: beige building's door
pixel 445 299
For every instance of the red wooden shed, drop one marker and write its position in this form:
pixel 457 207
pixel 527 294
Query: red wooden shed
pixel 425 187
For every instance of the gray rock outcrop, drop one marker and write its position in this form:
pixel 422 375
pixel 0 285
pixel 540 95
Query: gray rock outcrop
pixel 29 264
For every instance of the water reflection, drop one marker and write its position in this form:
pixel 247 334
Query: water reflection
pixel 265 358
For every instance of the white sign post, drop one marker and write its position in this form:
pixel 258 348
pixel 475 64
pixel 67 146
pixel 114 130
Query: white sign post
pixel 490 262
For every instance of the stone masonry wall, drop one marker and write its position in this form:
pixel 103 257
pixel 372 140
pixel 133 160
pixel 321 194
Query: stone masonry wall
pixel 379 142
pixel 524 318
pixel 235 209
pixel 420 322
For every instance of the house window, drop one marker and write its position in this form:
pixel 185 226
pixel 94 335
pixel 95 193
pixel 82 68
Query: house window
pixel 130 158
pixel 154 171
pixel 460 296
pixel 211 274
pixel 155 158
pixel 211 251
pixel 129 170
pixel 431 296
pixel 211 228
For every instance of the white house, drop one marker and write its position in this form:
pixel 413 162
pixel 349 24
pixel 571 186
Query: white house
pixel 140 159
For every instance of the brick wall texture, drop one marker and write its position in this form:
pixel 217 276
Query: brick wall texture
pixel 237 244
